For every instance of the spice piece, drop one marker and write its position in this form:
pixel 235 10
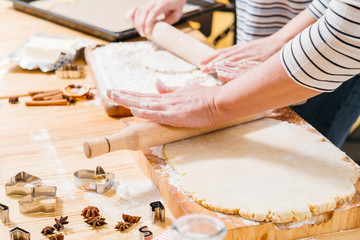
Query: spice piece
pixel 75 86
pixel 70 100
pixel 13 100
pixel 59 223
pixel 57 237
pixel 90 212
pixel 47 103
pixel 122 226
pixel 41 96
pixel 54 97
pixel 31 94
pixel 76 90
pixel 47 230
pixel 96 221
pixel 90 96
pixel 130 219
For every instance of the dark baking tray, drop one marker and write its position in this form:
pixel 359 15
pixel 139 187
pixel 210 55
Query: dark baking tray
pixel 23 5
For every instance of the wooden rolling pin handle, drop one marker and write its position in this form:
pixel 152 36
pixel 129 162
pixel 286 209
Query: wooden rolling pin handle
pixel 96 147
pixel 148 134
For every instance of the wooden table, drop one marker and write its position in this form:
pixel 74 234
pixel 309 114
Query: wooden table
pixel 47 142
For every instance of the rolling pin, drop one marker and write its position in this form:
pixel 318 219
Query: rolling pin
pixel 179 43
pixel 149 134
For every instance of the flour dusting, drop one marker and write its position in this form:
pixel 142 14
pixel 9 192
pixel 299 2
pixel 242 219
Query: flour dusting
pixel 45 142
pixel 142 193
pixel 124 66
pixel 281 226
pixel 158 151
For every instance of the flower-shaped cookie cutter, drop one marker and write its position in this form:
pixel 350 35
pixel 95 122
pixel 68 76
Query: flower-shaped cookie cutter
pixel 19 234
pixel 41 199
pixel 22 184
pixel 98 180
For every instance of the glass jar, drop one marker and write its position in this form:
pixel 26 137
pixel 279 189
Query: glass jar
pixel 198 227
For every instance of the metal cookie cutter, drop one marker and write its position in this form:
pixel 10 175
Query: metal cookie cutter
pixel 145 234
pixel 99 180
pixel 157 212
pixel 41 199
pixel 70 71
pixel 4 214
pixel 19 234
pixel 22 184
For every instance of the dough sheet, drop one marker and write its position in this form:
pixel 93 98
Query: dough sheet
pixel 265 170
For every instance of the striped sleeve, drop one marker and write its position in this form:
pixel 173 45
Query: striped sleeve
pixel 328 52
pixel 318 7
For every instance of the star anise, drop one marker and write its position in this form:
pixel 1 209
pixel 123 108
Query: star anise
pixel 59 223
pixel 57 237
pixel 47 230
pixel 130 219
pixel 123 226
pixel 70 100
pixel 90 212
pixel 96 221
pixel 13 100
pixel 90 96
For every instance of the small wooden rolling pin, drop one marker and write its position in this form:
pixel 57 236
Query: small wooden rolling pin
pixel 148 134
pixel 179 43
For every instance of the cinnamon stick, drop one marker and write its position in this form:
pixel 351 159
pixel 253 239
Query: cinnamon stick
pixel 47 103
pixel 31 94
pixel 54 97
pixel 40 96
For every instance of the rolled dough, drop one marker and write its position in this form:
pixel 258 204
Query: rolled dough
pixel 164 61
pixel 266 170
pixel 136 66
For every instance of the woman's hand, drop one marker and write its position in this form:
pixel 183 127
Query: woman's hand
pixel 257 50
pixel 228 71
pixel 190 106
pixel 143 18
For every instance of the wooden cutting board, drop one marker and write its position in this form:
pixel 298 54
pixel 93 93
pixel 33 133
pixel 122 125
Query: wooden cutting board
pixel 345 216
pixel 115 110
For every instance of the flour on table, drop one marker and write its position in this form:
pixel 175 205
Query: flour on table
pixel 265 170
pixel 136 66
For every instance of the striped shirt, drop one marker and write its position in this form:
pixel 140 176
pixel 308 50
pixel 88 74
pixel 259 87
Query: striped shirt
pixel 322 56
pixel 261 18
pixel 327 53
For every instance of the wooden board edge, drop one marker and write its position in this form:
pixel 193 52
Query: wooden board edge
pixel 169 199
pixel 112 109
pixel 333 221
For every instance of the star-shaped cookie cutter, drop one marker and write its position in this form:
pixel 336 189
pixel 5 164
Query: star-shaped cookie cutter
pixel 19 234
pixel 98 180
pixel 22 184
pixel 41 199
